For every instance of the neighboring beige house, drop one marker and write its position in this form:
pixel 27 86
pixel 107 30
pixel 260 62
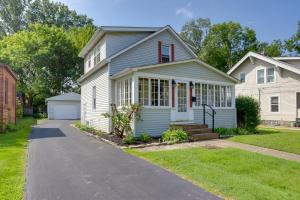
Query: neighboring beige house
pixel 274 82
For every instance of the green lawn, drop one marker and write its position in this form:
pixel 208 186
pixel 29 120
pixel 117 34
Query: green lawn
pixel 13 146
pixel 274 138
pixel 231 173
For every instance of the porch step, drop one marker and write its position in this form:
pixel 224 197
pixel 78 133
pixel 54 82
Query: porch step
pixel 198 131
pixel 187 127
pixel 203 136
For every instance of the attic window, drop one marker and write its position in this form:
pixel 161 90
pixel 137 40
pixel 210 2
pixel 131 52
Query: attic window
pixel 165 54
pixel 270 75
pixel 242 77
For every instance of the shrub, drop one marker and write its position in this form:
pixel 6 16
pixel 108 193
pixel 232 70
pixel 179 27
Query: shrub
pixel 174 135
pixel 122 119
pixel 129 139
pixel 19 109
pixel 247 113
pixel 11 127
pixel 88 129
pixel 40 115
pixel 232 131
pixel 145 137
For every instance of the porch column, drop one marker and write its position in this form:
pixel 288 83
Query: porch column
pixel 135 88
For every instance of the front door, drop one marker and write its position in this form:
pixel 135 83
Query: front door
pixel 182 111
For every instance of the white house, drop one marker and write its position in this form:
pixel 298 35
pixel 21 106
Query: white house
pixel 274 82
pixel 151 66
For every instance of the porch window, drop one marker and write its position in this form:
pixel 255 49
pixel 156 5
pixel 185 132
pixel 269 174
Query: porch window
pixel 198 94
pixel 223 96
pixel 124 92
pixel 270 75
pixel 210 95
pixel 154 92
pixel 229 96
pixel 274 104
pixel 164 93
pixel 143 91
pixel 204 93
pixel 217 96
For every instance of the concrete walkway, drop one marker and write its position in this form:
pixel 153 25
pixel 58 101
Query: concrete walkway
pixel 226 144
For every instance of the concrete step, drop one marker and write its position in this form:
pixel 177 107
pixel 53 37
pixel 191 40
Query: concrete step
pixel 198 131
pixel 203 136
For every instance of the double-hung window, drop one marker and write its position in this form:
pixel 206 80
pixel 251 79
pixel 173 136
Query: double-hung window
pixel 97 55
pixel 210 95
pixel 94 98
pixel 198 94
pixel 165 53
pixel 223 96
pixel 270 75
pixel 260 76
pixel 217 96
pixel 124 92
pixel 274 104
pixel 153 92
pixel 204 93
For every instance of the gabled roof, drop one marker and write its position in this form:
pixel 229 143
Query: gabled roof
pixel 130 70
pixel 72 96
pixel 102 30
pixel 270 60
pixel 169 28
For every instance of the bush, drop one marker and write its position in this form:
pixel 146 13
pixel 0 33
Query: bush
pixel 11 127
pixel 129 139
pixel 40 115
pixel 174 135
pixel 145 137
pixel 232 131
pixel 19 109
pixel 247 113
pixel 87 129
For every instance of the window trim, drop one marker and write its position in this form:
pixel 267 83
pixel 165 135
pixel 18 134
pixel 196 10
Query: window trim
pixel 264 70
pixel 244 77
pixel 270 104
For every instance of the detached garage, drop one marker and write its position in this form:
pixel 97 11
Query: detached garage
pixel 65 106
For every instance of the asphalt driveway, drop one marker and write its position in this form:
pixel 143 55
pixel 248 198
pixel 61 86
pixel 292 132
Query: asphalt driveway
pixel 65 164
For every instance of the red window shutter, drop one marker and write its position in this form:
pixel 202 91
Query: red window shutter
pixel 172 53
pixel 191 97
pixel 159 52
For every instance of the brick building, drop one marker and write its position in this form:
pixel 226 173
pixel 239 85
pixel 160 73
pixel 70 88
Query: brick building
pixel 7 96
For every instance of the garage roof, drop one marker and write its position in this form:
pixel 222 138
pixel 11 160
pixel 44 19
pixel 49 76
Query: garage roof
pixel 72 96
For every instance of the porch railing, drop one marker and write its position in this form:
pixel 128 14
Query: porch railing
pixel 212 114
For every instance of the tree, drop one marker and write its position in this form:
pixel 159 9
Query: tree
pixel 195 31
pixel 226 43
pixel 293 44
pixel 11 16
pixel 43 58
pixel 274 49
pixel 55 13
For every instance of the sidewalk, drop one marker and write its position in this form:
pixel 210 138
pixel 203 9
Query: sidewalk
pixel 226 144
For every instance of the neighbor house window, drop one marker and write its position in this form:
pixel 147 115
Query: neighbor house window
pixel 124 92
pixel 270 75
pixel 242 77
pixel 260 76
pixel 165 53
pixel 89 61
pixel 153 92
pixel 274 104
pixel 94 98
pixel 97 55
pixel 198 94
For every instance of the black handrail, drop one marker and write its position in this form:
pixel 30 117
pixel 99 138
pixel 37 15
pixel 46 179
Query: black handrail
pixel 212 114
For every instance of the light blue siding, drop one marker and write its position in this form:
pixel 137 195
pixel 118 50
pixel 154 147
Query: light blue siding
pixel 188 70
pixel 115 42
pixel 154 121
pixel 223 118
pixel 147 53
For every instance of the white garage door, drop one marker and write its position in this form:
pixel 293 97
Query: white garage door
pixel 66 112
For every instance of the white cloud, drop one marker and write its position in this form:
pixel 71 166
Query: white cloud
pixel 185 11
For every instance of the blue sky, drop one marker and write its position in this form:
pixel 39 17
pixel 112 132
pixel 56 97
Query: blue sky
pixel 271 19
